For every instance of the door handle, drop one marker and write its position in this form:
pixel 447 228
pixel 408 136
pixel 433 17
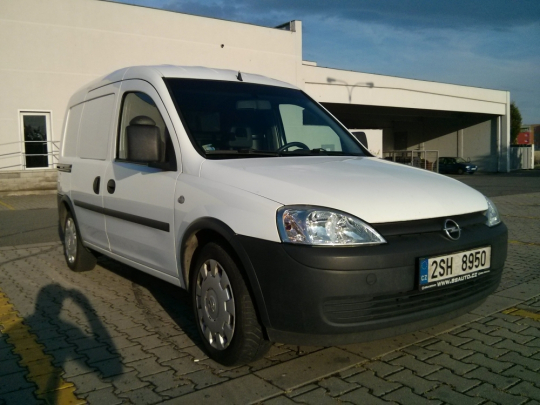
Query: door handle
pixel 95 186
pixel 111 186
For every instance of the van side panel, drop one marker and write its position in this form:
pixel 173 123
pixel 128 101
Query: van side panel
pixel 88 183
pixel 95 124
pixel 68 151
pixel 69 145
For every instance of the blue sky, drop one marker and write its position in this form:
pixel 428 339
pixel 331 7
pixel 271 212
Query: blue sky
pixel 484 43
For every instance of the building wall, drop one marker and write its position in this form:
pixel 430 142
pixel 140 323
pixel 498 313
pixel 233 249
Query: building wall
pixel 480 144
pixel 51 48
pixel 477 143
pixel 388 139
pixel 447 145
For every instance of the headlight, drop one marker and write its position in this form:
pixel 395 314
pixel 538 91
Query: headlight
pixel 467 167
pixel 323 227
pixel 492 214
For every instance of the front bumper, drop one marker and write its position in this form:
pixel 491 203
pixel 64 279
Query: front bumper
pixel 340 295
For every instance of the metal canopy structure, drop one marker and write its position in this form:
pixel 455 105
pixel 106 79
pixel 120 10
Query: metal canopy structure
pixel 416 115
pixel 437 122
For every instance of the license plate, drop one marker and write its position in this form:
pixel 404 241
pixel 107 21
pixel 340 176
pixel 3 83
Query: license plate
pixel 440 271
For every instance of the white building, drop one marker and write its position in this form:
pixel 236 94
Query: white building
pixel 51 48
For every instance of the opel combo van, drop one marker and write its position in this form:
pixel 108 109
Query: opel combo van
pixel 246 192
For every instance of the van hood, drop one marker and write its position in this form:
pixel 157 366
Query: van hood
pixel 374 190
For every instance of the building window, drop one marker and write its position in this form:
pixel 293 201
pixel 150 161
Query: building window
pixel 36 136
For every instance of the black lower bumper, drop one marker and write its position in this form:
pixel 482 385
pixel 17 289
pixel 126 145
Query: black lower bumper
pixel 339 295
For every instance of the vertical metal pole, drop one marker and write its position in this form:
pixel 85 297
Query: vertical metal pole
pixel 499 126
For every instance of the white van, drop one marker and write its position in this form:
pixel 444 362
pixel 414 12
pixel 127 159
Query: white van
pixel 284 228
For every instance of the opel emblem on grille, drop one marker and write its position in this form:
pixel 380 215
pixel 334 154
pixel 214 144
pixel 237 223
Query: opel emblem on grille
pixel 452 229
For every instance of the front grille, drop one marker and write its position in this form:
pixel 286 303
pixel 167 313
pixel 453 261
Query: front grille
pixel 429 225
pixel 353 310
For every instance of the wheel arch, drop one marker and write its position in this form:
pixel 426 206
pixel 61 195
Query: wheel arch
pixel 205 230
pixel 64 206
pixel 85 259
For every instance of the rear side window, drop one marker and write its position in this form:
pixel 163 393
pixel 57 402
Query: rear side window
pixel 139 110
pixel 95 128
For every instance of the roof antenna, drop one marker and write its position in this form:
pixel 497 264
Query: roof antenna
pixel 239 76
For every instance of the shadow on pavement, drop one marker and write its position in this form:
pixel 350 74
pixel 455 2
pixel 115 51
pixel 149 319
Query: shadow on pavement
pixel 175 301
pixel 51 301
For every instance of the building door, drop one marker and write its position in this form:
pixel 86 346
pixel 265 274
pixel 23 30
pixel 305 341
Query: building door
pixel 35 127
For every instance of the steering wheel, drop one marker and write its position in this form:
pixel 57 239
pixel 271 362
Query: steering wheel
pixel 291 144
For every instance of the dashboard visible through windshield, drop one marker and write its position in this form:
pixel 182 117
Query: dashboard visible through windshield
pixel 226 120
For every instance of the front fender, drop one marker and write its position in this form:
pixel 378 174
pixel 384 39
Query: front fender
pixel 232 239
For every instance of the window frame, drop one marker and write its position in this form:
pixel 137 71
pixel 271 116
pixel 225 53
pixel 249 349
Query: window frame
pixel 49 133
pixel 280 129
pixel 165 166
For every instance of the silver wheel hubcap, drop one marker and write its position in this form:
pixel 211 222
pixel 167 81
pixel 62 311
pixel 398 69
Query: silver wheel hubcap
pixel 215 304
pixel 70 240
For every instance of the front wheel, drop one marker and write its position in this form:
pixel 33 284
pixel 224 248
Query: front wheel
pixel 78 258
pixel 224 311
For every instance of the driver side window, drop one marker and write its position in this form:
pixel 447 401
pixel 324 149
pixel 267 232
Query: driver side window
pixel 140 117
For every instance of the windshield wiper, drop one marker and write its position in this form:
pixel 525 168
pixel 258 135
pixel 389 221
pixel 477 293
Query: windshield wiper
pixel 251 152
pixel 317 152
pixel 304 152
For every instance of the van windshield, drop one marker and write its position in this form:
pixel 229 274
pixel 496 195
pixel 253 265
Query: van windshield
pixel 227 120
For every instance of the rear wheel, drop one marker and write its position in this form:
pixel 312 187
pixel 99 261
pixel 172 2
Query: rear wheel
pixel 78 258
pixel 224 311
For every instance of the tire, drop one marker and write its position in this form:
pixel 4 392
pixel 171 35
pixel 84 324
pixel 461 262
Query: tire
pixel 224 312
pixel 78 257
pixel 460 171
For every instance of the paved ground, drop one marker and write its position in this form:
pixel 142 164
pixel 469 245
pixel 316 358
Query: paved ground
pixel 28 219
pixel 115 335
pixel 499 184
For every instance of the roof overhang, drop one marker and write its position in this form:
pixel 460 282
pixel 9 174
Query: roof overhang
pixel 346 87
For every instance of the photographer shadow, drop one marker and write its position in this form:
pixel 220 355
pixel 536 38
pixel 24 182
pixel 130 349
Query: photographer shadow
pixel 66 341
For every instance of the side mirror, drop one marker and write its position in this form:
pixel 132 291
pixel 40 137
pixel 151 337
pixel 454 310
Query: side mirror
pixel 143 144
pixel 361 137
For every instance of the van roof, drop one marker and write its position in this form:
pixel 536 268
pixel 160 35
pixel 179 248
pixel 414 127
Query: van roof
pixel 156 73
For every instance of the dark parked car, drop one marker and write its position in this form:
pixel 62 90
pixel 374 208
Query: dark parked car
pixel 456 165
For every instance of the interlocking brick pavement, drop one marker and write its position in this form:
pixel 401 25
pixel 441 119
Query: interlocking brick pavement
pixel 121 336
